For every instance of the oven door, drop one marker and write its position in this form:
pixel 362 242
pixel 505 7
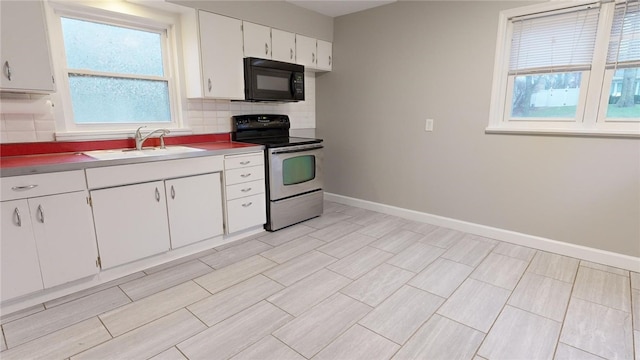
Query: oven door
pixel 294 170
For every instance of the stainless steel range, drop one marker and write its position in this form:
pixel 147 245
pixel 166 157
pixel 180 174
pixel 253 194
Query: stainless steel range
pixel 293 168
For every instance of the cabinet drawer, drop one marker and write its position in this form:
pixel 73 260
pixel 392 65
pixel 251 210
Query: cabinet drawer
pixel 246 212
pixel 242 175
pixel 245 189
pixel 27 186
pixel 244 160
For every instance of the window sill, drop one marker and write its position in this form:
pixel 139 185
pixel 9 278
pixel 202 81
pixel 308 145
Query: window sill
pixel 110 134
pixel 564 132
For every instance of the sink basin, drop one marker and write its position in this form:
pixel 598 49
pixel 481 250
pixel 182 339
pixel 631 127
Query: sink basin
pixel 129 153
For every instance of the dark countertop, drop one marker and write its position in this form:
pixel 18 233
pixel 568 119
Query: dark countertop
pixel 55 162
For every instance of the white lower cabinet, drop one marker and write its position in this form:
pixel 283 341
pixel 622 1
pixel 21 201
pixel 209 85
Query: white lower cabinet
pixel 194 205
pixel 47 234
pixel 131 222
pixel 146 209
pixel 19 265
pixel 65 237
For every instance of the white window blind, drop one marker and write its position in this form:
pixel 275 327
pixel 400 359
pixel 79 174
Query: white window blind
pixel 624 43
pixel 554 42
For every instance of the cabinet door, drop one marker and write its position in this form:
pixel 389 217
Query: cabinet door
pixel 65 237
pixel 221 56
pixel 19 267
pixel 283 46
pixel 194 206
pixel 324 55
pixel 131 222
pixel 257 40
pixel 306 51
pixel 26 65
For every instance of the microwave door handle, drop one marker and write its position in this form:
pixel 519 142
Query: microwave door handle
pixel 297 150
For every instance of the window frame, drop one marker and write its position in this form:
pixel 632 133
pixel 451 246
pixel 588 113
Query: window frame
pixel 594 93
pixel 122 15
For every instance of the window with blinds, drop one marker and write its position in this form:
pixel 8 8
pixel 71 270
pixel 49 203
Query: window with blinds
pixel 551 43
pixel 623 63
pixel 624 41
pixel 567 68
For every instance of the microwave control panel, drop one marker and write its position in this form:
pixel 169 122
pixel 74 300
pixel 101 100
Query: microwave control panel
pixel 298 86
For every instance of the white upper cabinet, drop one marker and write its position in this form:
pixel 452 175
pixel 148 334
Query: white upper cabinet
pixel 283 46
pixel 221 46
pixel 324 52
pixel 306 51
pixel 213 55
pixel 313 54
pixel 268 43
pixel 24 48
pixel 257 40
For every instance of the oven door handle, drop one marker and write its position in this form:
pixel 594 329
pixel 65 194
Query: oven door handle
pixel 297 150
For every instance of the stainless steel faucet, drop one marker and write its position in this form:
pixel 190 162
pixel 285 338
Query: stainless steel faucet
pixel 141 139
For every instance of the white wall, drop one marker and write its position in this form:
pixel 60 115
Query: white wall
pixel 401 63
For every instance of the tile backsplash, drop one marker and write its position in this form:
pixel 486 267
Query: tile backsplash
pixel 202 116
pixel 19 124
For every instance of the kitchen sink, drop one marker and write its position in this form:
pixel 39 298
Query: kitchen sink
pixel 133 153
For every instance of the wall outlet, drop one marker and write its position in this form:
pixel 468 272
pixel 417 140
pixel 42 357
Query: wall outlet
pixel 428 125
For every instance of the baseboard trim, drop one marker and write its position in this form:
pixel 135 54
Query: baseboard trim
pixel 576 251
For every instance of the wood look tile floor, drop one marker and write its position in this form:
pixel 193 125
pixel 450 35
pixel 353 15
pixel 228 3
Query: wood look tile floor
pixel 352 284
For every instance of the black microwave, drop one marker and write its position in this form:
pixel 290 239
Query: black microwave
pixel 269 80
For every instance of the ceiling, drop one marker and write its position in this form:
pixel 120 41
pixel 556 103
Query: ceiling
pixel 339 8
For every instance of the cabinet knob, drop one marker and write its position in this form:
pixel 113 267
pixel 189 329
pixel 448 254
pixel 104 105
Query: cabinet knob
pixel 209 84
pixel 266 49
pixel 291 54
pixel 16 213
pixel 245 175
pixel 313 58
pixel 247 204
pixel 245 189
pixel 245 162
pixel 157 195
pixel 173 192
pixel 329 60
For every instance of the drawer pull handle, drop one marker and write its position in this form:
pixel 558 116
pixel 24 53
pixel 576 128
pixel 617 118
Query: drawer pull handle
pixel 246 189
pixel 173 192
pixel 247 204
pixel 245 175
pixel 18 219
pixel 157 195
pixel 24 188
pixel 245 162
pixel 40 214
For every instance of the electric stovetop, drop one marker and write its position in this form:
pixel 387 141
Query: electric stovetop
pixel 269 130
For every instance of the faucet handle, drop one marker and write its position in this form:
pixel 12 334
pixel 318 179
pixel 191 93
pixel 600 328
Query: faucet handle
pixel 138 135
pixel 162 140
